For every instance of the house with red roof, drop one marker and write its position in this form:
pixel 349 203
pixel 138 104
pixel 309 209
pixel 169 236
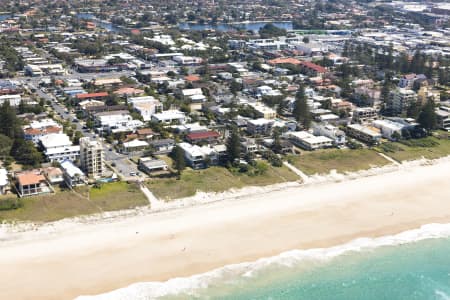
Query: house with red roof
pixel 98 96
pixel 209 137
pixel 312 69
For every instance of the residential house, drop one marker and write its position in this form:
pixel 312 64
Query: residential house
pixel 73 176
pixel 54 175
pixel 152 166
pixel 116 121
pixel 163 146
pixel 209 137
pixel 133 146
pixel 32 183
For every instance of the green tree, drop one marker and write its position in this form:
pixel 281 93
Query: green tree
pixel 233 145
pixel 5 146
pixel 26 153
pixel 301 109
pixel 9 123
pixel 178 159
pixel 427 116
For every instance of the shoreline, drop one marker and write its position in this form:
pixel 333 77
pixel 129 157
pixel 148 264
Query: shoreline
pixel 204 198
pixel 97 257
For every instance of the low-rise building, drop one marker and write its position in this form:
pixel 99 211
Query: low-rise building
pixel 330 131
pixel 152 166
pixel 200 157
pixel 443 118
pixel 389 128
pixel 133 146
pixel 73 176
pixel 364 114
pixel 146 106
pixel 169 117
pixel 163 146
pixel 308 141
pixel 363 133
pixel 260 127
pixel 209 137
pixel 116 121
pixel 32 183
pixel 58 147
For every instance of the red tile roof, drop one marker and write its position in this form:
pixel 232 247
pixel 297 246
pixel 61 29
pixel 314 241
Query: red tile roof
pixel 202 135
pixel 313 66
pixel 30 178
pixel 92 95
pixel 284 60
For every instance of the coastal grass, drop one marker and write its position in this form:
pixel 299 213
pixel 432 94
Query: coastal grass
pixel 66 203
pixel 341 160
pixel 431 147
pixel 215 179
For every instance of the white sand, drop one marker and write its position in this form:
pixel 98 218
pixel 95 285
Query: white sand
pixel 65 259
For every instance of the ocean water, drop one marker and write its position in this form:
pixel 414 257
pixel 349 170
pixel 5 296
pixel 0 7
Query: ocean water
pixel 411 265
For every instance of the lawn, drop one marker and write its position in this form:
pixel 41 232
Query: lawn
pixel 214 179
pixel 63 204
pixel 345 160
pixel 429 147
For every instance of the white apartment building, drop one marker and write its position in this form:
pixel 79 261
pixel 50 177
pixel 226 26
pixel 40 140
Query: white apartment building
pixel 116 121
pixel 92 157
pixel 308 141
pixel 146 106
pixel 170 116
pixel 388 128
pixel 197 156
pixel 14 100
pixel 58 147
pixel 401 100
pixel 330 131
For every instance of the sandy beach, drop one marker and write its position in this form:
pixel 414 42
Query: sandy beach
pixel 89 259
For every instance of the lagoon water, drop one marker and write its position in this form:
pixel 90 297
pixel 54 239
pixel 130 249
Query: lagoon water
pixel 411 265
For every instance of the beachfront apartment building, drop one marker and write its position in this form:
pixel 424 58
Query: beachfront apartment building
pixel 92 157
pixel 364 114
pixel 200 157
pixel 369 135
pixel 388 128
pixel 58 147
pixel 308 141
pixel 401 99
pixel 330 131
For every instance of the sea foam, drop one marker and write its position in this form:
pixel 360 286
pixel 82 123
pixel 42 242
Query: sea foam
pixel 189 285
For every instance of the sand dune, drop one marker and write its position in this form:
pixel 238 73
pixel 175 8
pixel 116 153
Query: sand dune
pixel 93 258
